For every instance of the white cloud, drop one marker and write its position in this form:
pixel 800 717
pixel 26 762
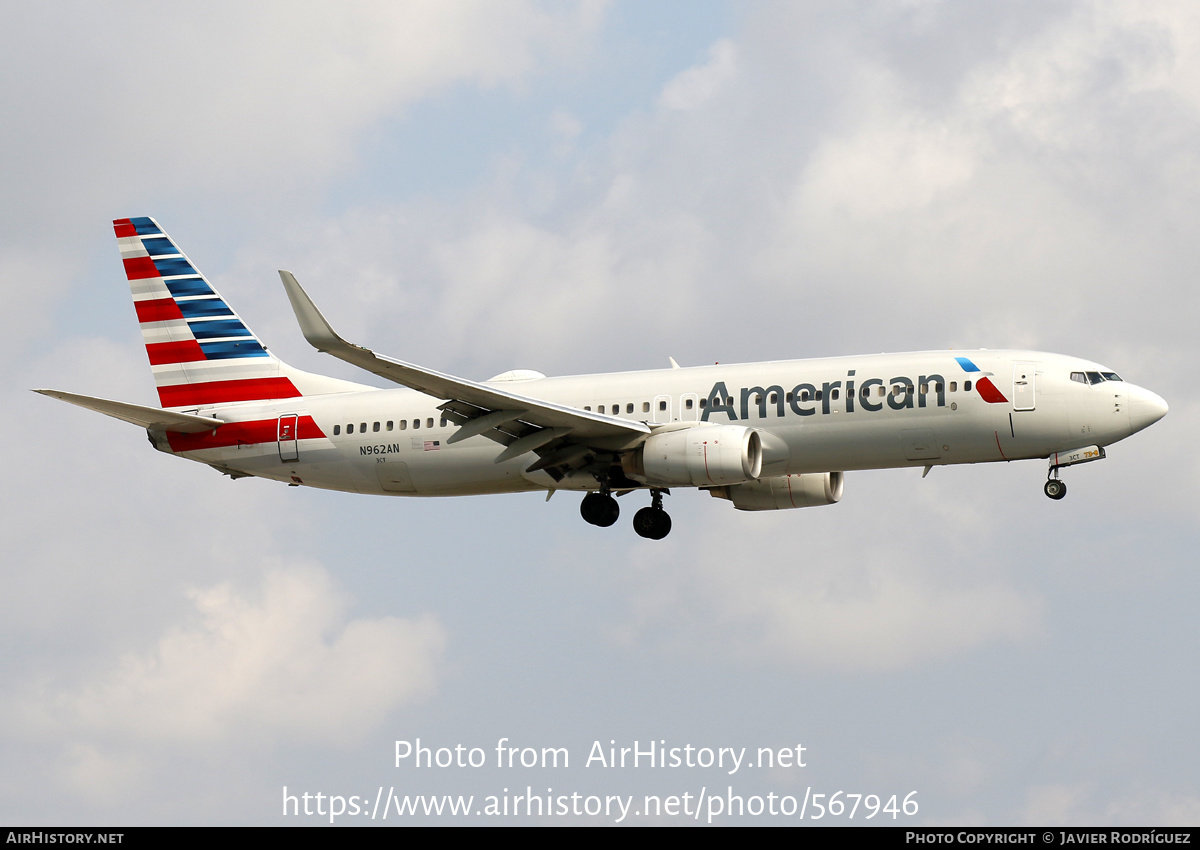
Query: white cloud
pixel 901 219
pixel 258 668
pixel 565 128
pixel 137 108
pixel 901 167
pixel 874 596
pixel 692 88
pixel 211 97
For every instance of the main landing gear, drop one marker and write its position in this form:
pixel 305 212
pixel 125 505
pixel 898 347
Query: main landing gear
pixel 601 509
pixel 653 522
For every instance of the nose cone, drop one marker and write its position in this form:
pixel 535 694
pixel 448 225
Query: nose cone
pixel 1145 408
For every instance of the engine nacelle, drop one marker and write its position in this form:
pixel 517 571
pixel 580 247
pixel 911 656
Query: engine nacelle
pixel 784 492
pixel 700 456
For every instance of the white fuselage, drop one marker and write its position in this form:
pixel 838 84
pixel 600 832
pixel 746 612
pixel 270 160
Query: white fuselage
pixel 820 415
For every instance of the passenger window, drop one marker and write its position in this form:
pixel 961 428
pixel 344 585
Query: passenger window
pixel 939 387
pixel 337 429
pixel 954 386
pixel 818 395
pixel 688 404
pixel 703 403
pixel 443 422
pixel 629 407
pixel 833 394
pixel 587 407
pixel 350 428
pixel 389 425
pixel 966 386
pixel 790 396
pixel 362 428
pixel 866 392
pixel 403 424
pixel 774 398
pixel 804 395
pixel 429 422
pixel 376 427
pixel 757 398
pixel 416 423
pixel 882 391
pixel 662 405
pixel 600 409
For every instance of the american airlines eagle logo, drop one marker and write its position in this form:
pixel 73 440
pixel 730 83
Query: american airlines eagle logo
pixel 983 383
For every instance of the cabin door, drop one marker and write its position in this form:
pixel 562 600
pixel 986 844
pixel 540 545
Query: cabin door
pixel 1023 389
pixel 289 449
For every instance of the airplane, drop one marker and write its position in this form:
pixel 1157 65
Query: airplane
pixel 764 436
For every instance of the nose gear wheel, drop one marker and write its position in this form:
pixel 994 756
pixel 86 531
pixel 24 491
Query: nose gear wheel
pixel 1055 488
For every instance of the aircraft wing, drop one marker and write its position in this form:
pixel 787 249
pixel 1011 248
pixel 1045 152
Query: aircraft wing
pixel 560 434
pixel 136 414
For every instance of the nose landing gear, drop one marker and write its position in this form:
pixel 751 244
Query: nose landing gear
pixel 1055 488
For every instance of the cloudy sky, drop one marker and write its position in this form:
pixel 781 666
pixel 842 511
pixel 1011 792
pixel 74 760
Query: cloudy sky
pixel 584 187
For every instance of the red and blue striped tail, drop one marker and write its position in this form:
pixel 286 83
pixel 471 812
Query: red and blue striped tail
pixel 200 350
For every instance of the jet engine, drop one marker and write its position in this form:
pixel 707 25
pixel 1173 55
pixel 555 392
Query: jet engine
pixel 698 456
pixel 784 492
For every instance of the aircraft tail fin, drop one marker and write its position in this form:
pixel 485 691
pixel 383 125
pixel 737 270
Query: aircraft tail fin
pixel 201 352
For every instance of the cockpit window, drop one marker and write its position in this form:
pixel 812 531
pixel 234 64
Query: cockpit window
pixel 1079 376
pixel 1094 378
pixel 1111 376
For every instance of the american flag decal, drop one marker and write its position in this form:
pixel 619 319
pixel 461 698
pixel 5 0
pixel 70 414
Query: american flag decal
pixel 432 445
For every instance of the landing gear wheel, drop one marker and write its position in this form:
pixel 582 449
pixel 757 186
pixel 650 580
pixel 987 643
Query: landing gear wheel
pixel 652 523
pixel 599 509
pixel 1055 489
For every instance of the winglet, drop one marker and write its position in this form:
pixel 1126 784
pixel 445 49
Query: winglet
pixel 550 415
pixel 316 329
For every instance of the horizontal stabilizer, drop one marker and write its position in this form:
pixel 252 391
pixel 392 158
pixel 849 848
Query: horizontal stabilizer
pixel 148 417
